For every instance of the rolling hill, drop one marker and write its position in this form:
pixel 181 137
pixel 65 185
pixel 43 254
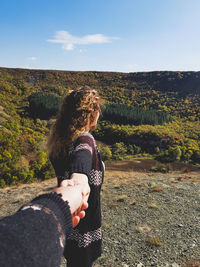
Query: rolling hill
pixel 22 135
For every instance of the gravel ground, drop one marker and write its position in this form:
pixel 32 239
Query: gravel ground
pixel 154 221
pixel 149 219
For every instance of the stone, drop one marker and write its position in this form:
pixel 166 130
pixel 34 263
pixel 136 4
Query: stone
pixel 175 264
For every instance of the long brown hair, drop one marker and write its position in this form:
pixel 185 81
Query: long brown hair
pixel 76 115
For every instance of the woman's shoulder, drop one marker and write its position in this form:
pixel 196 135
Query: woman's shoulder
pixel 85 138
pixel 86 135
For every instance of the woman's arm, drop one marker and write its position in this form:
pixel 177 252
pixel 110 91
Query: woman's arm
pixel 81 160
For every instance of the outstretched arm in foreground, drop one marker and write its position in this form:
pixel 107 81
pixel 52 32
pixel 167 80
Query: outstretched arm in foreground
pixel 35 235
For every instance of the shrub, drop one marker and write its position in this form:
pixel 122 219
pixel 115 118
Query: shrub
pixel 175 153
pixel 119 150
pixel 160 167
pixel 2 183
pixel 169 155
pixel 106 153
pixel 157 150
pixel 196 157
pixel 30 177
pixel 137 149
pixel 22 173
pixel 130 150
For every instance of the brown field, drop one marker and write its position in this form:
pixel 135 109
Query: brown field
pixel 149 218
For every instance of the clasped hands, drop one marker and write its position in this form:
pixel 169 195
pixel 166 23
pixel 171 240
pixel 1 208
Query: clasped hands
pixel 76 192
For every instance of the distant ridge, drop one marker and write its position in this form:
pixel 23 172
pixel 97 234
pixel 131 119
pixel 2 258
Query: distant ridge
pixel 183 82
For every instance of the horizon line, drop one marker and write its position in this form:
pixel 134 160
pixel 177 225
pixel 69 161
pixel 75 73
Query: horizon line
pixel 107 71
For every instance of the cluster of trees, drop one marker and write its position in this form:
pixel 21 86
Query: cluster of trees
pixel 29 99
pixel 22 158
pixel 118 151
pixel 123 114
pixel 167 142
pixel 44 105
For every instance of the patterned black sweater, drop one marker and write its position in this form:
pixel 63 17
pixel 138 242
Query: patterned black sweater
pixel 35 235
pixel 84 244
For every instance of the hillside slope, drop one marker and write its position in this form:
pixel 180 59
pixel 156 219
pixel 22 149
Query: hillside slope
pixel 22 135
pixel 187 82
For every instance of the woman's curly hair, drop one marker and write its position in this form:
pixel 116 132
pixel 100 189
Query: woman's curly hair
pixel 76 115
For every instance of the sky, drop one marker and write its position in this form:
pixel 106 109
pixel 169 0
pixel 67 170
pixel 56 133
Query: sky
pixel 100 35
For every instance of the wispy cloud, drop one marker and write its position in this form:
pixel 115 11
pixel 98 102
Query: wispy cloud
pixel 32 58
pixel 69 41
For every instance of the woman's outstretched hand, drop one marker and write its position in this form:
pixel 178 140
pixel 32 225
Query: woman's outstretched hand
pixel 76 194
pixel 78 179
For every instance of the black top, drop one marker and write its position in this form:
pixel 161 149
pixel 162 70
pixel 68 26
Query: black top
pixel 35 235
pixel 84 244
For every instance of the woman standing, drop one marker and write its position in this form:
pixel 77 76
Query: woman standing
pixel 74 155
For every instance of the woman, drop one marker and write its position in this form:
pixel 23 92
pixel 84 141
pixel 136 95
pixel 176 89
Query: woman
pixel 74 155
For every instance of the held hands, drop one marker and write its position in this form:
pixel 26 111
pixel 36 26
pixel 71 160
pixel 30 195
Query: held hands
pixel 76 194
pixel 78 179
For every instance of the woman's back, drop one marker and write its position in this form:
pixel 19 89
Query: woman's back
pixel 73 152
pixel 83 157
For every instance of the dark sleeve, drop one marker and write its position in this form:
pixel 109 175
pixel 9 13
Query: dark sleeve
pixel 81 157
pixel 35 235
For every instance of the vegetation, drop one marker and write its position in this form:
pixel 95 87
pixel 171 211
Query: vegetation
pixel 155 112
pixel 178 140
pixel 123 114
pixel 44 105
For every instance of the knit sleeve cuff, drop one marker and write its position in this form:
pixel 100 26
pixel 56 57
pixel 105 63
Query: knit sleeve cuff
pixel 59 207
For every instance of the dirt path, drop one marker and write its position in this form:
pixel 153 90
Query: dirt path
pixel 149 219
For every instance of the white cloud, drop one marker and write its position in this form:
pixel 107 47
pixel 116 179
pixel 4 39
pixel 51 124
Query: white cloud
pixel 32 58
pixel 68 41
pixel 82 51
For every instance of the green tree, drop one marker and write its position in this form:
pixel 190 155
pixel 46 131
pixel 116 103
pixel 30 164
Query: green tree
pixel 106 153
pixel 44 105
pixel 119 150
pixel 175 153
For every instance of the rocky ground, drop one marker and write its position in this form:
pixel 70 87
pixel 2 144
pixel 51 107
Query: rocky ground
pixel 149 218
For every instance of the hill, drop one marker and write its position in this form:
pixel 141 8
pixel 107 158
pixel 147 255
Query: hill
pixel 184 83
pixel 167 106
pixel 152 89
pixel 144 214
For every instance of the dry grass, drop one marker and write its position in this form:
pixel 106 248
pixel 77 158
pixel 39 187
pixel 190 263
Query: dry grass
pixel 135 217
pixel 144 229
pixel 155 241
pixel 11 198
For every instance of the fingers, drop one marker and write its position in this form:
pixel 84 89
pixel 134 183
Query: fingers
pixel 81 214
pixel 85 192
pixel 64 183
pixel 84 205
pixel 67 182
pixel 75 220
pixel 77 194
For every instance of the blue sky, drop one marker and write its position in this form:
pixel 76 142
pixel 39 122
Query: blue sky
pixel 102 35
